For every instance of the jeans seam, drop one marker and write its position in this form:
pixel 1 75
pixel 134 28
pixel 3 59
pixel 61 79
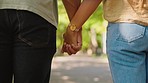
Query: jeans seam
pixel 19 27
pixel 19 24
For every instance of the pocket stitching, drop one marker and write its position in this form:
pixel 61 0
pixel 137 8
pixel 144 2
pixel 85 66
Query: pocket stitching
pixel 131 39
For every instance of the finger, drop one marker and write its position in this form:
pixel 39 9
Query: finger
pixel 72 50
pixel 67 49
pixel 79 42
pixel 76 48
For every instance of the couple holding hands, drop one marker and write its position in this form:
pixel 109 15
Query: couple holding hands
pixel 78 13
pixel 28 37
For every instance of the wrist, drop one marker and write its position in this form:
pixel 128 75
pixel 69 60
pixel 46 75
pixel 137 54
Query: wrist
pixel 73 27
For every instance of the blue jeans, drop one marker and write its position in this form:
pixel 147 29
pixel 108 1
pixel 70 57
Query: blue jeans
pixel 27 46
pixel 127 49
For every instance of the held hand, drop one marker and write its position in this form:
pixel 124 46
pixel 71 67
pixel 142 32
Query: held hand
pixel 72 42
pixel 73 49
pixel 79 41
pixel 70 37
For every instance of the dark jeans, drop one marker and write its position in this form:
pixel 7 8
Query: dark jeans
pixel 27 46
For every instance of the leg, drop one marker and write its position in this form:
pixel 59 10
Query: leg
pixel 34 49
pixel 5 49
pixel 5 61
pixel 146 68
pixel 126 53
pixel 32 65
pixel 146 59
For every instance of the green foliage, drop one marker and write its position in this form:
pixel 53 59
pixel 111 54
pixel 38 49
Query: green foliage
pixel 63 21
pixel 96 21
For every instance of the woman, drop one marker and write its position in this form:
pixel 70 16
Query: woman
pixel 127 37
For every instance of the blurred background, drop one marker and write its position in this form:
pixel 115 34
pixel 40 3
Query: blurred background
pixel 93 31
pixel 90 65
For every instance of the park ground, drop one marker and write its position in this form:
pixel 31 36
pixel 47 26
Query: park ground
pixel 80 69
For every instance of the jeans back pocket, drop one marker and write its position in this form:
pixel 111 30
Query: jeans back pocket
pixel 35 30
pixel 130 32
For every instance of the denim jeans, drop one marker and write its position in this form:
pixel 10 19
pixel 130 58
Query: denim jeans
pixel 27 46
pixel 127 49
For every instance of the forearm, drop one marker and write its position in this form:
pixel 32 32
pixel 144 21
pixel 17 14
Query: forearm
pixel 86 8
pixel 71 7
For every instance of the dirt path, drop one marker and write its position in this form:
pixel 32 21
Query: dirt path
pixel 76 69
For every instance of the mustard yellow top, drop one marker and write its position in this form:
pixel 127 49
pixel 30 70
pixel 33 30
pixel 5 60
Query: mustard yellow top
pixel 45 8
pixel 132 11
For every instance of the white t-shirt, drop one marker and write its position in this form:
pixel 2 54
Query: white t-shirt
pixel 45 8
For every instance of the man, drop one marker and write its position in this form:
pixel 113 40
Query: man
pixel 27 40
pixel 127 37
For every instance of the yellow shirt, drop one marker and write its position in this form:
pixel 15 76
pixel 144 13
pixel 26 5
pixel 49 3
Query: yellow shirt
pixel 45 8
pixel 132 11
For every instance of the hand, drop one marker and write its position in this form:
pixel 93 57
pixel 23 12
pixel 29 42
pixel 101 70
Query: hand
pixel 72 42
